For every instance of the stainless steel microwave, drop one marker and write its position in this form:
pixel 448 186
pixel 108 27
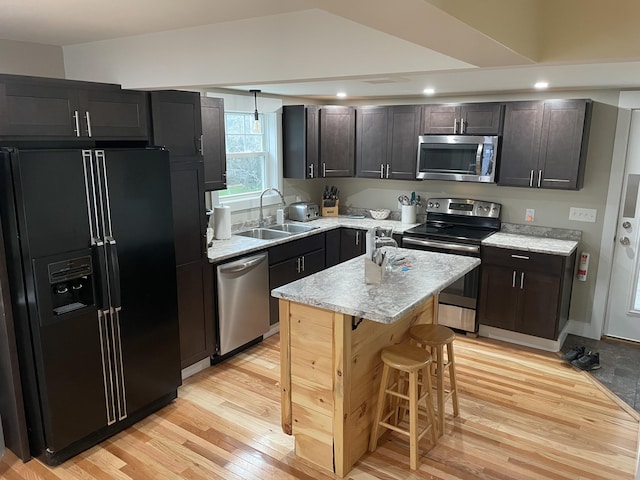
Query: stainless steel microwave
pixel 462 158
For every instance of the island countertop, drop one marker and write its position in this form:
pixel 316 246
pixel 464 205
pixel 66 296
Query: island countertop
pixel 342 288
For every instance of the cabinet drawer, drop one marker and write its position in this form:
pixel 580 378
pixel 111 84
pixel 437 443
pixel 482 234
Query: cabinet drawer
pixel 295 248
pixel 523 260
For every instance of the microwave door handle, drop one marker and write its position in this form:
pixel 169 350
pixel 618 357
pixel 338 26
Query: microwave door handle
pixel 479 159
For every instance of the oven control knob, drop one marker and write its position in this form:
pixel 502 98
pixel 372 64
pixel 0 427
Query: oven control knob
pixel 437 205
pixel 486 209
pixel 430 204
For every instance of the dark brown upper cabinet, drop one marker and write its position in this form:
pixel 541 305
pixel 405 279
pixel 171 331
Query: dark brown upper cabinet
pixel 463 119
pixel 337 139
pixel 213 143
pixel 33 108
pixel 545 144
pixel 387 141
pixel 318 141
pixel 177 124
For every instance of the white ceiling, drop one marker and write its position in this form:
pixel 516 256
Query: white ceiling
pixel 453 46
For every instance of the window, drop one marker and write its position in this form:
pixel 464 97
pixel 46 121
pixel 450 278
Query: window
pixel 251 167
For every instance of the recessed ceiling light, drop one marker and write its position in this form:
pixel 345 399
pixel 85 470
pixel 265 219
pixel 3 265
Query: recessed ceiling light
pixel 541 85
pixel 341 94
pixel 429 91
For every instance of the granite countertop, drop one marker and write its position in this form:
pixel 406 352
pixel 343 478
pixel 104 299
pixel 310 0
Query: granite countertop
pixel 342 288
pixel 531 243
pixel 238 245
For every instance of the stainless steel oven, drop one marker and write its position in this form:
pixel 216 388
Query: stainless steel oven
pixel 456 226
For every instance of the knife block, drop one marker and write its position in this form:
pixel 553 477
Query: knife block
pixel 330 211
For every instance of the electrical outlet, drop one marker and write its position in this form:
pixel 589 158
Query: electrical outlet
pixel 529 215
pixel 583 214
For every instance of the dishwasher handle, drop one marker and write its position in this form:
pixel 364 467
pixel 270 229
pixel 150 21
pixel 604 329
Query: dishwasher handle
pixel 242 265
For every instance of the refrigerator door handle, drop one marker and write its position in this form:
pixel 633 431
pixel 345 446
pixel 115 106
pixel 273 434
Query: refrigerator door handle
pixel 114 274
pixel 100 160
pixel 107 367
pixel 121 394
pixel 92 204
pixel 101 267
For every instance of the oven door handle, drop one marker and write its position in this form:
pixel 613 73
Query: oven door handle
pixel 444 245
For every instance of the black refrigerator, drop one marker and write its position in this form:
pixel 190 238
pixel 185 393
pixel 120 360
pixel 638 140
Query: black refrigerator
pixel 90 262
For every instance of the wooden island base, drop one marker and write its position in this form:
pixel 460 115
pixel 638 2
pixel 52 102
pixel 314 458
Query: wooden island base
pixel 330 376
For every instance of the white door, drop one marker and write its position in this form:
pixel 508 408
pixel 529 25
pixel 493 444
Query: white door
pixel 623 305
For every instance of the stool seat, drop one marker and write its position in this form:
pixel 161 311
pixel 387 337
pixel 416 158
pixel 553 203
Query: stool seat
pixel 432 335
pixel 406 394
pixel 435 338
pixel 405 357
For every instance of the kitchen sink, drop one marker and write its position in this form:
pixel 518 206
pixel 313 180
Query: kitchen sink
pixel 292 228
pixel 264 233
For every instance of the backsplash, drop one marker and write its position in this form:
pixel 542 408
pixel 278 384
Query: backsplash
pixel 546 232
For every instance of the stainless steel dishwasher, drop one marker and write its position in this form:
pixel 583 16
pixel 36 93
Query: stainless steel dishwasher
pixel 243 301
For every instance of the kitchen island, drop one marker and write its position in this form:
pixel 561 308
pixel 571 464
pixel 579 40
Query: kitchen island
pixel 332 329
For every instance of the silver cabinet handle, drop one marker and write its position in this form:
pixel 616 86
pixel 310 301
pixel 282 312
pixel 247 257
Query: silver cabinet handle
pixel 88 118
pixel 311 170
pixel 76 118
pixel 539 177
pixel 382 170
pixel 521 280
pixel 523 257
pixel 324 169
pixel 513 280
pixel 455 125
pixel 387 170
pixel 625 241
pixel 201 144
pixel 531 179
pixel 358 238
pixel 298 265
pixel 302 263
pixel 462 125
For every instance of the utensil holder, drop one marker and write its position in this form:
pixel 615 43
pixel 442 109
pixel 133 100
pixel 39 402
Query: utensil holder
pixel 330 211
pixel 408 214
pixel 374 273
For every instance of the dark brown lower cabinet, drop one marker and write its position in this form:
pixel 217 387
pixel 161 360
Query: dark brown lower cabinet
pixel 352 243
pixel 194 272
pixel 525 292
pixel 291 261
pixel 195 311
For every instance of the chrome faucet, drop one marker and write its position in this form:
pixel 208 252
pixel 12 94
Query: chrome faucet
pixel 261 217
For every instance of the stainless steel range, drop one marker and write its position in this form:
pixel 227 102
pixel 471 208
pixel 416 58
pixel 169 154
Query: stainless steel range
pixel 456 226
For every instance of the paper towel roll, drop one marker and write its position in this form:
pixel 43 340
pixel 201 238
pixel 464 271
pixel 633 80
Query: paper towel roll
pixel 222 222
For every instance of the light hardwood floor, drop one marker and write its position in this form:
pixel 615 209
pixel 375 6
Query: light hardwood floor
pixel 524 414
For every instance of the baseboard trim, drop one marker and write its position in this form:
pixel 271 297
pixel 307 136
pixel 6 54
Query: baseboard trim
pixel 522 339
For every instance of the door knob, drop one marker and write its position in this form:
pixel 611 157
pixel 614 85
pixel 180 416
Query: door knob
pixel 625 241
pixel 626 225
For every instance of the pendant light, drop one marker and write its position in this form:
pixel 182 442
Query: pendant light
pixel 256 118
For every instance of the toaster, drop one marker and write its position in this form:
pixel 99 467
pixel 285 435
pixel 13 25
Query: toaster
pixel 303 211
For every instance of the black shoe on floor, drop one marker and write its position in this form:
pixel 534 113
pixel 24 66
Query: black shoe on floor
pixel 589 361
pixel 574 353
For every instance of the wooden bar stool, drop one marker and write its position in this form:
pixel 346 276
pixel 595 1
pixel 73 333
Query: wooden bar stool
pixel 435 338
pixel 409 360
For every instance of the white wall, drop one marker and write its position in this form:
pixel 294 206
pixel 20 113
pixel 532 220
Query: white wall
pixel 258 50
pixel 23 58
